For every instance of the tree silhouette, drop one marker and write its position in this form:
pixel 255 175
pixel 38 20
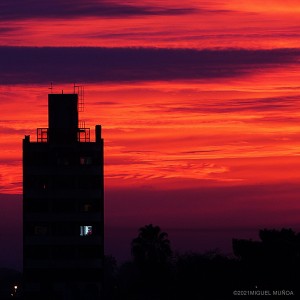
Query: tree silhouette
pixel 151 252
pixel 273 261
pixel 109 276
pixel 204 276
pixel 280 245
pixel 151 247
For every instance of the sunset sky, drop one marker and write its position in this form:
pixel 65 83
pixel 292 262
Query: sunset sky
pixel 199 103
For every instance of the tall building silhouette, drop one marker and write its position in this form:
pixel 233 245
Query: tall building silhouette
pixel 63 222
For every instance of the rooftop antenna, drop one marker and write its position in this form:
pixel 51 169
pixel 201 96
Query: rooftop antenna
pixel 51 87
pixel 74 89
pixel 79 89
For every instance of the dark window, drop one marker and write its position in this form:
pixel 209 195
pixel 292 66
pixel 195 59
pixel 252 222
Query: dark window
pixel 64 182
pixel 36 158
pixel 64 205
pixel 63 161
pixel 87 207
pixel 41 230
pixel 65 229
pixel 90 251
pixel 85 160
pixel 64 252
pixel 36 252
pixel 36 228
pixel 90 182
pixel 39 183
pixel 90 205
pixel 36 205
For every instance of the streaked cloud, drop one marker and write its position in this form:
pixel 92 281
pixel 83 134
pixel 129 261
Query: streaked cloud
pixel 266 6
pixel 66 64
pixel 257 105
pixel 64 9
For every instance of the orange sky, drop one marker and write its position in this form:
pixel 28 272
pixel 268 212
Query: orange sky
pixel 243 24
pixel 235 130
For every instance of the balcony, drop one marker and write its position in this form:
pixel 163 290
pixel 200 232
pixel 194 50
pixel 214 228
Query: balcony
pixel 83 135
pixel 42 135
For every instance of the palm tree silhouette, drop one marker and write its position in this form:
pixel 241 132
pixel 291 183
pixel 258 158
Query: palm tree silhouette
pixel 151 247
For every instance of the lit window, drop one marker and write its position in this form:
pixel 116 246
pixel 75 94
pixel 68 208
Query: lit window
pixel 86 230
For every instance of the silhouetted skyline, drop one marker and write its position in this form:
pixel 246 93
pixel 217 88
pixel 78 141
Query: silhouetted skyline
pixel 63 205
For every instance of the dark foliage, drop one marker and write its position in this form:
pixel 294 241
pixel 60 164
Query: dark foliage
pixel 151 247
pixel 109 277
pixel 8 279
pixel 205 276
pixel 270 264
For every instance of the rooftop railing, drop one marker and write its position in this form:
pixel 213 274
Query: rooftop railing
pixel 42 135
pixel 83 135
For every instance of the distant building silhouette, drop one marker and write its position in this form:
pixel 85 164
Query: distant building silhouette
pixel 63 227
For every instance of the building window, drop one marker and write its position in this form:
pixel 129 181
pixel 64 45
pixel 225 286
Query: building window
pixel 85 160
pixel 63 161
pixel 87 207
pixel 42 135
pixel 86 230
pixel 40 230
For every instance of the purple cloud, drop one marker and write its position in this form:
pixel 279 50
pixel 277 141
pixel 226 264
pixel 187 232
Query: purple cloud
pixel 55 9
pixel 82 64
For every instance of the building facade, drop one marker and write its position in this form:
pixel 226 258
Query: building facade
pixel 63 207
